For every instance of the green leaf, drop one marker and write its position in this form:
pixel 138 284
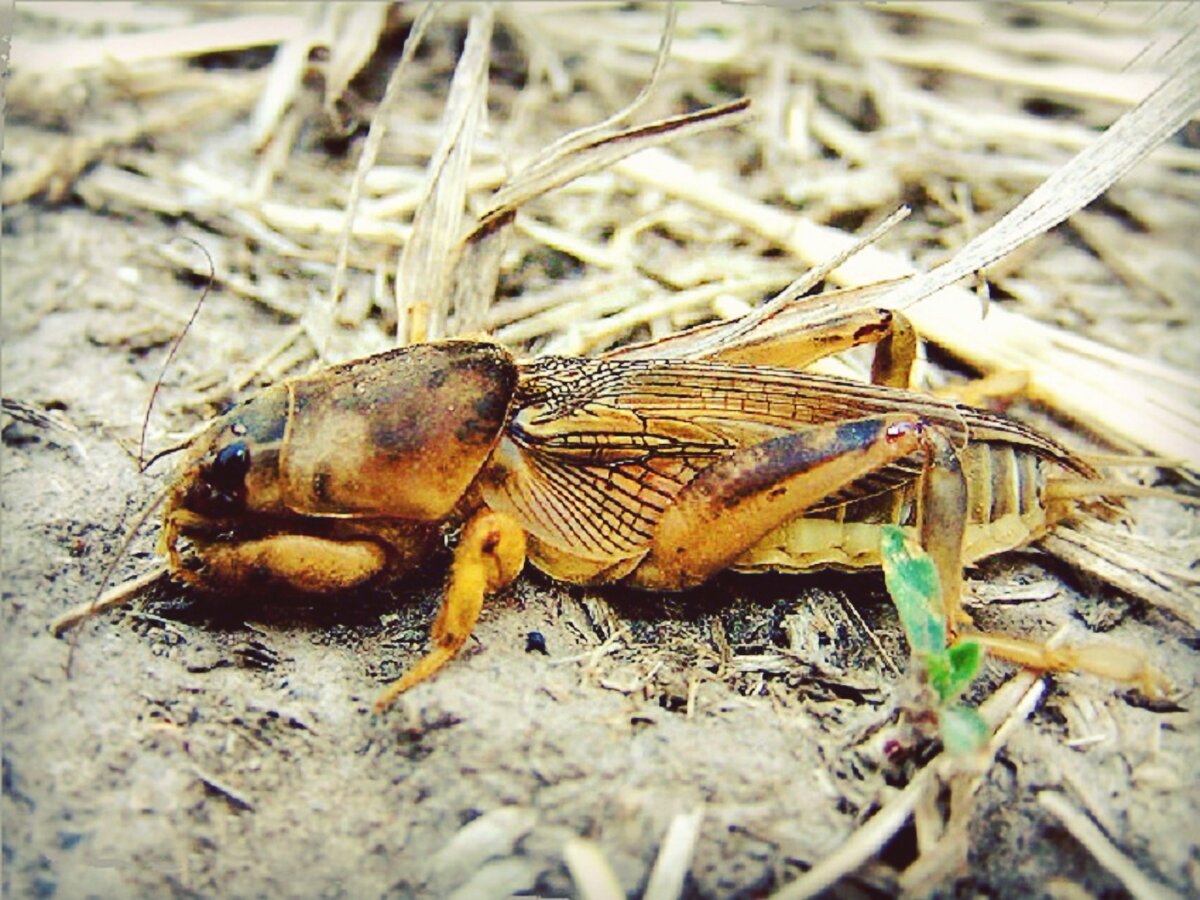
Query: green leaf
pixel 962 729
pixel 965 658
pixel 951 672
pixel 937 668
pixel 912 581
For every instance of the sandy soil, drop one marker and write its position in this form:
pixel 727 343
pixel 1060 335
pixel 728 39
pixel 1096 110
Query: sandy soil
pixel 228 749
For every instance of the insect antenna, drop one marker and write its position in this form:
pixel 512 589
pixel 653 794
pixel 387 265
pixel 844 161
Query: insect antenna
pixel 107 599
pixel 166 451
pixel 212 275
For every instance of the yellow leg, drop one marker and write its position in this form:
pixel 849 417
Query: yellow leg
pixel 489 556
pixel 890 331
pixel 733 503
pixel 1111 661
pixel 942 505
pixel 1004 385
pixel 298 561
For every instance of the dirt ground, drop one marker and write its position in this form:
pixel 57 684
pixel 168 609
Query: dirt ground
pixel 208 748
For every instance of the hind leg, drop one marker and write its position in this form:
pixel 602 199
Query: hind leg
pixel 890 331
pixel 1112 661
pixel 734 503
pixel 943 513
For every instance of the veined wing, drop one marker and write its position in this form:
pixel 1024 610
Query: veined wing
pixel 596 450
pixel 994 428
pixel 557 394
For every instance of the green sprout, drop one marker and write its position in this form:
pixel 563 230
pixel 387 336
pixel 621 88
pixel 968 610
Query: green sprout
pixel 912 580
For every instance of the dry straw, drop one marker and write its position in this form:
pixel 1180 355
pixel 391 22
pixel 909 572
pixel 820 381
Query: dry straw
pixel 519 201
pixel 1068 370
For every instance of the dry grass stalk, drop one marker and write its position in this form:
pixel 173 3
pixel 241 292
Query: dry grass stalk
pixel 391 97
pixel 590 870
pixel 33 59
pixel 424 273
pixel 670 869
pixel 1157 574
pixel 354 42
pixel 477 266
pixel 1004 710
pixel 286 72
pixel 1085 831
pixel 110 599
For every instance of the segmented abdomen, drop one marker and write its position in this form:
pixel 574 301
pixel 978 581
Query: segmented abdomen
pixel 1005 509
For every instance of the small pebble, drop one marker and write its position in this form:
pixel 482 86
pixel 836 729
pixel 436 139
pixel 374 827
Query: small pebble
pixel 535 642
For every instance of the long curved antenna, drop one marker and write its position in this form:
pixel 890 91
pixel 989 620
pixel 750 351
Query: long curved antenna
pixel 212 275
pixel 107 600
pixel 166 451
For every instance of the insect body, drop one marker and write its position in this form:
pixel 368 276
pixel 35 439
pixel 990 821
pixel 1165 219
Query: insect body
pixel 653 473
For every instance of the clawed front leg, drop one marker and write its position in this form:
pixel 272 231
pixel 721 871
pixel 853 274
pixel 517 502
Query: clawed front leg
pixel 490 554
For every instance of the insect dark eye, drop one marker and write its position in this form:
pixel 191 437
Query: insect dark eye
pixel 220 489
pixel 230 466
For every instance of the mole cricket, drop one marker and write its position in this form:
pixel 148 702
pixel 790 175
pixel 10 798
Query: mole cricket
pixel 655 466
